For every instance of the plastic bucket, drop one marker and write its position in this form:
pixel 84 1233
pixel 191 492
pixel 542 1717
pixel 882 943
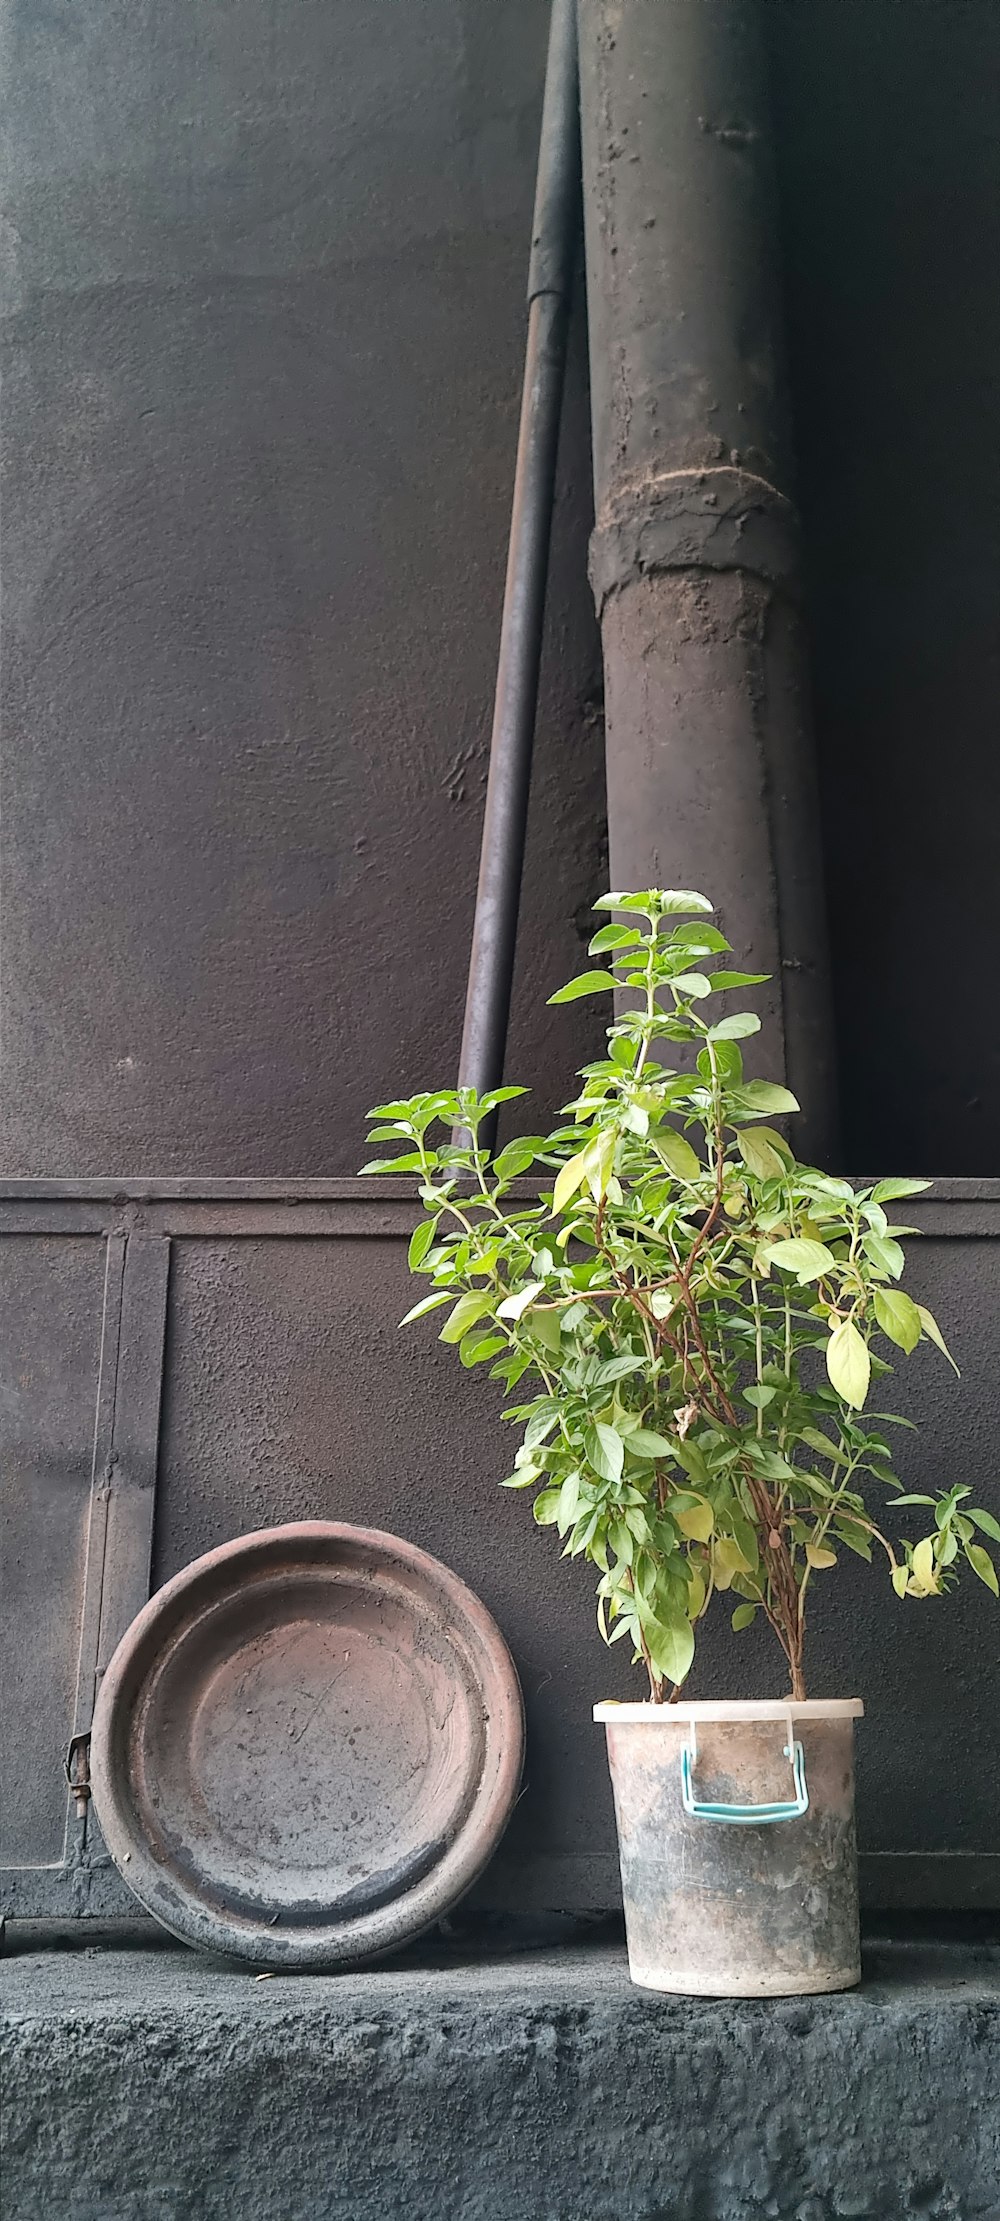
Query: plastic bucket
pixel 737 1845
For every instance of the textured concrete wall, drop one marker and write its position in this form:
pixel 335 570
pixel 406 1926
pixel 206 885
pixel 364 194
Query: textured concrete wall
pixel 266 297
pixel 889 159
pixel 264 283
pixel 158 2087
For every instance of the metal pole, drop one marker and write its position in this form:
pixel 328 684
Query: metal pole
pixel 550 281
pixel 694 559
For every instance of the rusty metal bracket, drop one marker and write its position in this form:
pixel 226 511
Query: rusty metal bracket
pixel 76 1767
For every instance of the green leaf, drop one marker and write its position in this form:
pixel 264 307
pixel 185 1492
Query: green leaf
pixel 475 1351
pixel 678 1154
pixel 890 1191
pixel 807 1260
pixel 420 1242
pixel 466 1312
pixel 987 1523
pixel 758 1097
pixel 848 1363
pixel 743 1616
pixel 737 1028
pixel 586 983
pixel 693 984
pixel 932 1329
pixel 616 937
pixel 546 1326
pixel 759 1154
pixel 427 1303
pixel 821 1442
pixel 898 1317
pixel 545 1509
pixel 670 1643
pixel 605 1451
pixel 514 1159
pixel 981 1563
pixel 512 1306
pixel 644 1442
pixel 720 980
pixel 884 1253
pixel 410 1163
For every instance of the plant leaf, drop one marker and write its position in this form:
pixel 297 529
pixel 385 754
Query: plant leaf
pixel 586 983
pixel 758 1097
pixel 605 1451
pixel 420 1242
pixel 743 1616
pixel 697 1521
pixel 848 1363
pixel 569 1179
pixel 932 1329
pixel 737 1028
pixel 466 1312
pixel 759 1154
pixel 513 1306
pixel 678 1154
pixel 807 1260
pixel 987 1523
pixel 820 1557
pixel 891 1191
pixel 427 1303
pixel 898 1317
pixel 644 1442
pixel 981 1563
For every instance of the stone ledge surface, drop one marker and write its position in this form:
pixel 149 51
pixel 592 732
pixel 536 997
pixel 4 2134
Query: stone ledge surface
pixel 155 2085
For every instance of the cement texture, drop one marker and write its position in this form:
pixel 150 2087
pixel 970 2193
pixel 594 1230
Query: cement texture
pixel 153 2085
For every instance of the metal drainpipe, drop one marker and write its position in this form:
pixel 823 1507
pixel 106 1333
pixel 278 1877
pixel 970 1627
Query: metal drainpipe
pixel 550 284
pixel 694 557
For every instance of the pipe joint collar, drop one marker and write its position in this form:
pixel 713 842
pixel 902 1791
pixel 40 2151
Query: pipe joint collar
pixel 714 518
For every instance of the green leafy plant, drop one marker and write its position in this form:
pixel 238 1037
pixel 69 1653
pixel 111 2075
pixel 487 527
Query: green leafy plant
pixel 700 1318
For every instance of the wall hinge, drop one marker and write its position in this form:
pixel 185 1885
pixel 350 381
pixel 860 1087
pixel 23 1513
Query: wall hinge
pixel 77 1770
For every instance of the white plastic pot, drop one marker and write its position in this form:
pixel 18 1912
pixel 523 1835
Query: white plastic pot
pixel 737 1846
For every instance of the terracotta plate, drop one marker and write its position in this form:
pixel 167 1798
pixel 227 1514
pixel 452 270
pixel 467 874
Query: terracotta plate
pixel 307 1746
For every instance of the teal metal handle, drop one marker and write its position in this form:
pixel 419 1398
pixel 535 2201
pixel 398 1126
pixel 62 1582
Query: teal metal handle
pixel 748 1816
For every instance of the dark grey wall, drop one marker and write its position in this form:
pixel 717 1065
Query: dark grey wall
pixel 890 167
pixel 264 370
pixel 266 285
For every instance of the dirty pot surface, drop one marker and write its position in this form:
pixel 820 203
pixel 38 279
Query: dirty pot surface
pixel 738 1860
pixel 307 1746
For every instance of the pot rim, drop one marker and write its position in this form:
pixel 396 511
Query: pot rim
pixel 729 1708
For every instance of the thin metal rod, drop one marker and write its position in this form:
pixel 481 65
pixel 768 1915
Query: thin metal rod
pixel 550 281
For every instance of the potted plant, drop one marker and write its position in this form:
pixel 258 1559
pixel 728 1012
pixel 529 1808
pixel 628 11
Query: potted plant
pixel 690 1323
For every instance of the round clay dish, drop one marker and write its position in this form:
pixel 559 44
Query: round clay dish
pixel 307 1746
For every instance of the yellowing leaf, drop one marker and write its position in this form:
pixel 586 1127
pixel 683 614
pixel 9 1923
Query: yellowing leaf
pixel 981 1563
pixel 923 1567
pixel 759 1154
pixel 900 1579
pixel 569 1178
pixel 898 1317
pixel 807 1260
pixel 848 1363
pixel 698 1521
pixel 819 1557
pixel 678 1154
pixel 931 1328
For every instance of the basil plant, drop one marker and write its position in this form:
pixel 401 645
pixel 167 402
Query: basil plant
pixel 690 1322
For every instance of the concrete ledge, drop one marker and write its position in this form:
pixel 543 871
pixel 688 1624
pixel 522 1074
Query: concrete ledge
pixel 154 2085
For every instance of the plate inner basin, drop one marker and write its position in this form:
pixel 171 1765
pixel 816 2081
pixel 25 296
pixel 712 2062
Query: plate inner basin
pixel 309 1746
